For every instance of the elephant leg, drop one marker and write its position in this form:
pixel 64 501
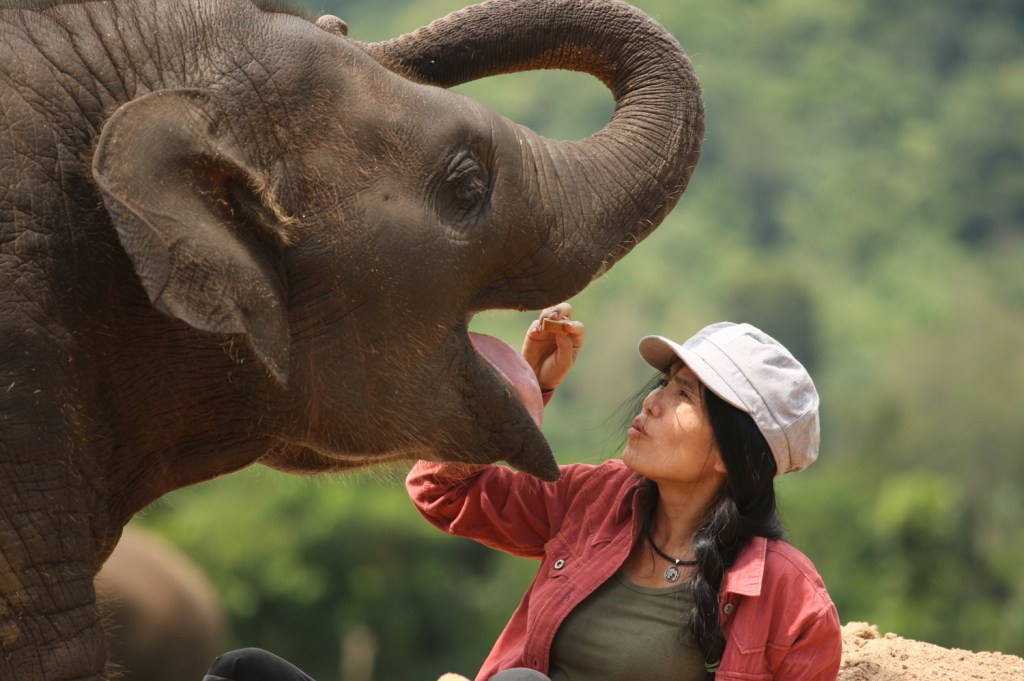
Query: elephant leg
pixel 49 625
pixel 49 622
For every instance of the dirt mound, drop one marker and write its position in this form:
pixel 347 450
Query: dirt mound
pixel 869 656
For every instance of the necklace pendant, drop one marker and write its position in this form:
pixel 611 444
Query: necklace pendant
pixel 671 573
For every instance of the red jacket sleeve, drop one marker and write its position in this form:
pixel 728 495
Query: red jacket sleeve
pixel 494 505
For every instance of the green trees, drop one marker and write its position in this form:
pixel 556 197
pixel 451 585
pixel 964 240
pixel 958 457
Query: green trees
pixel 859 196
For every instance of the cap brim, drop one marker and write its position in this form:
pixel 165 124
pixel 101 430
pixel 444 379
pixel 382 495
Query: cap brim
pixel 660 352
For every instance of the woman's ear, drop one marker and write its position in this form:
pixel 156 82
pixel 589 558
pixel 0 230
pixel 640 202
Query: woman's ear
pixel 718 465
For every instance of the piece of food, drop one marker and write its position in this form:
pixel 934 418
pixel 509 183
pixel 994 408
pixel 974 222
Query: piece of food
pixel 555 325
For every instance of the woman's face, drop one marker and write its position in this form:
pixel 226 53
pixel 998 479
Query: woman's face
pixel 671 439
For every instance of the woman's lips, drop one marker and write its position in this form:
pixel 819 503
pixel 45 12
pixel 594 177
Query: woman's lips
pixel 636 429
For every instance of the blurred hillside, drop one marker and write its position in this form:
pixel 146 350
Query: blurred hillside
pixel 861 197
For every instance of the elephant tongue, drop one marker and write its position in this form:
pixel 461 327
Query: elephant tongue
pixel 511 365
pixel 526 450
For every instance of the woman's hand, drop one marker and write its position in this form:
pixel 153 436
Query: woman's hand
pixel 551 353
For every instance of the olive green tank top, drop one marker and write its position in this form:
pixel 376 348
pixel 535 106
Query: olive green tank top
pixel 626 632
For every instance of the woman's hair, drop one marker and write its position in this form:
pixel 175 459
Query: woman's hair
pixel 744 508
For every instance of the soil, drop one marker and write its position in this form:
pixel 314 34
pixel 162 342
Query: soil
pixel 870 656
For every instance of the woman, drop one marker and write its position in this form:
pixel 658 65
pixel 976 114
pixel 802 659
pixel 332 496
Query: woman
pixel 666 564
pixel 669 563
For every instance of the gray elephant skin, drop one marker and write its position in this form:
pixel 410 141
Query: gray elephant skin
pixel 163 617
pixel 230 234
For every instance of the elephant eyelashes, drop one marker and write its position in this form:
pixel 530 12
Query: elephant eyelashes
pixel 467 180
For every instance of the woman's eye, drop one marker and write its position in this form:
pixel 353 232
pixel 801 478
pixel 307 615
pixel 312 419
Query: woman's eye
pixel 681 390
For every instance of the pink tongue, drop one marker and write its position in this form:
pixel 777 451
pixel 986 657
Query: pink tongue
pixel 515 369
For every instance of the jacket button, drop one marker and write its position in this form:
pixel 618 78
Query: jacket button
pixel 559 564
pixel 727 608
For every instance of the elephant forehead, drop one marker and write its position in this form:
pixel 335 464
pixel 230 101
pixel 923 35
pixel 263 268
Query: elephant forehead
pixel 516 370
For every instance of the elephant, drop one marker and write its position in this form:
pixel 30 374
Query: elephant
pixel 163 617
pixel 230 234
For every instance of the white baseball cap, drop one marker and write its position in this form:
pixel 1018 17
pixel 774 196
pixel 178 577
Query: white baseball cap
pixel 753 372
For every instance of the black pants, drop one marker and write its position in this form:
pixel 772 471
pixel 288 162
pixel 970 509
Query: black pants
pixel 253 664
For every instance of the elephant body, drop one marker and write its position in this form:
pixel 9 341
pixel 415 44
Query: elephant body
pixel 163 617
pixel 232 235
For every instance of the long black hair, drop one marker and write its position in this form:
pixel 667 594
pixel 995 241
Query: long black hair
pixel 744 508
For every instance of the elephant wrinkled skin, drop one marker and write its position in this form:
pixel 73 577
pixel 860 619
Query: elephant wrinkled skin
pixel 231 235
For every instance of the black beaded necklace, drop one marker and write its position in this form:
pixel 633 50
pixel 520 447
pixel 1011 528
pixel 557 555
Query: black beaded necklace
pixel 672 571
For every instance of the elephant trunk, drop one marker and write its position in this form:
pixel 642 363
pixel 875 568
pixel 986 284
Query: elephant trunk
pixel 612 188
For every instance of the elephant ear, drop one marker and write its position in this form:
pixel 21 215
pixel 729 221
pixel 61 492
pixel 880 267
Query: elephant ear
pixel 200 225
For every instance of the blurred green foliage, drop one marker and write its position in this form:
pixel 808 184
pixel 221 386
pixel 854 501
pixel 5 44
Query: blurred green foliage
pixel 302 565
pixel 860 197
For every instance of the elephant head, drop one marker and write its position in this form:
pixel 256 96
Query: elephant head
pixel 350 238
pixel 230 235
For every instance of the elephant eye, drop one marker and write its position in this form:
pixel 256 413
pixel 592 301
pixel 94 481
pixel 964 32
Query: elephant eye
pixel 466 180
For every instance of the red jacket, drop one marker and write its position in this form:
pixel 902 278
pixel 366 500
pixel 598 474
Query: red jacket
pixel 777 617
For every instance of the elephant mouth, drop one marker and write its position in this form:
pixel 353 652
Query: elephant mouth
pixel 519 376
